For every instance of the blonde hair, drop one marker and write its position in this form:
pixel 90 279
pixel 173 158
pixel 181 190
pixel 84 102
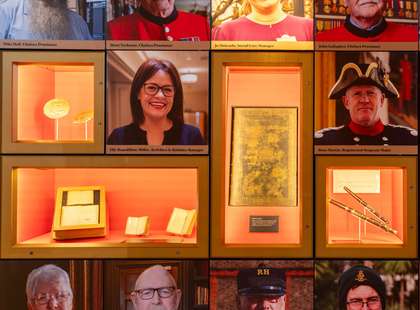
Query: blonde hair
pixel 246 7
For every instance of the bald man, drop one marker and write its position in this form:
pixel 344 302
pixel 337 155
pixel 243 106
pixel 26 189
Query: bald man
pixel 156 289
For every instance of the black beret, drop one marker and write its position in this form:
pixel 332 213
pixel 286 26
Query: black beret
pixel 363 74
pixel 356 276
pixel 262 280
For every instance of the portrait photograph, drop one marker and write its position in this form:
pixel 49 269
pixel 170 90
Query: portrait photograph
pixel 366 102
pixel 256 24
pixel 50 284
pixel 51 23
pixel 361 25
pixel 167 23
pixel 157 102
pixel 156 284
pixel 261 284
pixel 352 284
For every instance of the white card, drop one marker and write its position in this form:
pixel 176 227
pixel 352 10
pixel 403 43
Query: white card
pixel 358 180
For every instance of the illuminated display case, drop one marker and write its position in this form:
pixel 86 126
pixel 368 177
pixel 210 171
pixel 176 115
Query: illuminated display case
pixel 132 186
pixel 52 102
pixel 366 203
pixel 261 182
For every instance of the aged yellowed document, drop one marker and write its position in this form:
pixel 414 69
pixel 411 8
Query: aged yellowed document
pixel 264 157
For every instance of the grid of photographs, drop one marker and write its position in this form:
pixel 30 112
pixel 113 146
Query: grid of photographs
pixel 209 154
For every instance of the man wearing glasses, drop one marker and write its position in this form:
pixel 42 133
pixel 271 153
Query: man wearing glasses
pixel 156 289
pixel 48 287
pixel 361 288
pixel 261 288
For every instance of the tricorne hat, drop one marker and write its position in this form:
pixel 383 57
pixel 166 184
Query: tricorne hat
pixel 356 276
pixel 263 281
pixel 352 75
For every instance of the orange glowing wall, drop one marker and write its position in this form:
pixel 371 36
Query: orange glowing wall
pixel 261 87
pixel 36 85
pixel 77 88
pixel 389 203
pixel 265 86
pixel 35 202
pixel 237 225
pixel 34 88
pixel 129 192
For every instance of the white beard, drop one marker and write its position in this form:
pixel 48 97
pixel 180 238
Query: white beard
pixel 49 19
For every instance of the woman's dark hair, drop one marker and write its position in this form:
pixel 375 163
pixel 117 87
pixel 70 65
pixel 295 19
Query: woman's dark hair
pixel 145 72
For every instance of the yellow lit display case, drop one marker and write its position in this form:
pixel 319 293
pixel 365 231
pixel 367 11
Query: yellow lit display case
pixel 261 155
pixel 366 206
pixel 157 187
pixel 52 102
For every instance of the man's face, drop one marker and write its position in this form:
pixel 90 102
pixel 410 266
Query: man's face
pixel 52 295
pixel 158 5
pixel 364 103
pixel 257 302
pixel 363 297
pixel 263 5
pixel 365 8
pixel 146 299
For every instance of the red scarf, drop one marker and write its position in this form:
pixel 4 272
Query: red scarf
pixel 367 131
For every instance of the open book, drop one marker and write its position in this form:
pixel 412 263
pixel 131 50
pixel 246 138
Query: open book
pixel 182 221
pixel 137 225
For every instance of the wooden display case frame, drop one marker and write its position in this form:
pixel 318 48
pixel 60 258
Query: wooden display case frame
pixel 220 63
pixel 10 248
pixel 409 247
pixel 8 103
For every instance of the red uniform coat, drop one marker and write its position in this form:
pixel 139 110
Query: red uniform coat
pixel 243 29
pixel 384 32
pixel 179 26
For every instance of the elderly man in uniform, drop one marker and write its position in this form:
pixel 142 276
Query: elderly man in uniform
pixel 361 288
pixel 156 289
pixel 363 89
pixel 261 288
pixel 48 287
pixel 366 23
pixel 159 20
pixel 40 20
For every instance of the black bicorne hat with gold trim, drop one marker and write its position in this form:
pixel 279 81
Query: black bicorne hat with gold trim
pixel 363 74
pixel 356 276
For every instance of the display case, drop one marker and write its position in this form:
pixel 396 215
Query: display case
pixel 366 206
pixel 52 102
pixel 261 155
pixel 132 186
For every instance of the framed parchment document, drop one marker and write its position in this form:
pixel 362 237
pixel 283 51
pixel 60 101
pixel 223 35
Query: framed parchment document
pixel 80 212
pixel 264 157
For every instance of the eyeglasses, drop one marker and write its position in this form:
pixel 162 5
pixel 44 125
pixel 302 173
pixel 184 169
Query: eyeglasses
pixel 44 299
pixel 372 303
pixel 148 293
pixel 152 89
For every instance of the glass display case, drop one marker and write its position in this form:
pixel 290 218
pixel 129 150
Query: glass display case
pixel 261 182
pixel 62 112
pixel 366 203
pixel 61 206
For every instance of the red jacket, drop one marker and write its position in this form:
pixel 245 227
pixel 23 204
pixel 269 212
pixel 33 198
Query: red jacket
pixel 384 32
pixel 179 26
